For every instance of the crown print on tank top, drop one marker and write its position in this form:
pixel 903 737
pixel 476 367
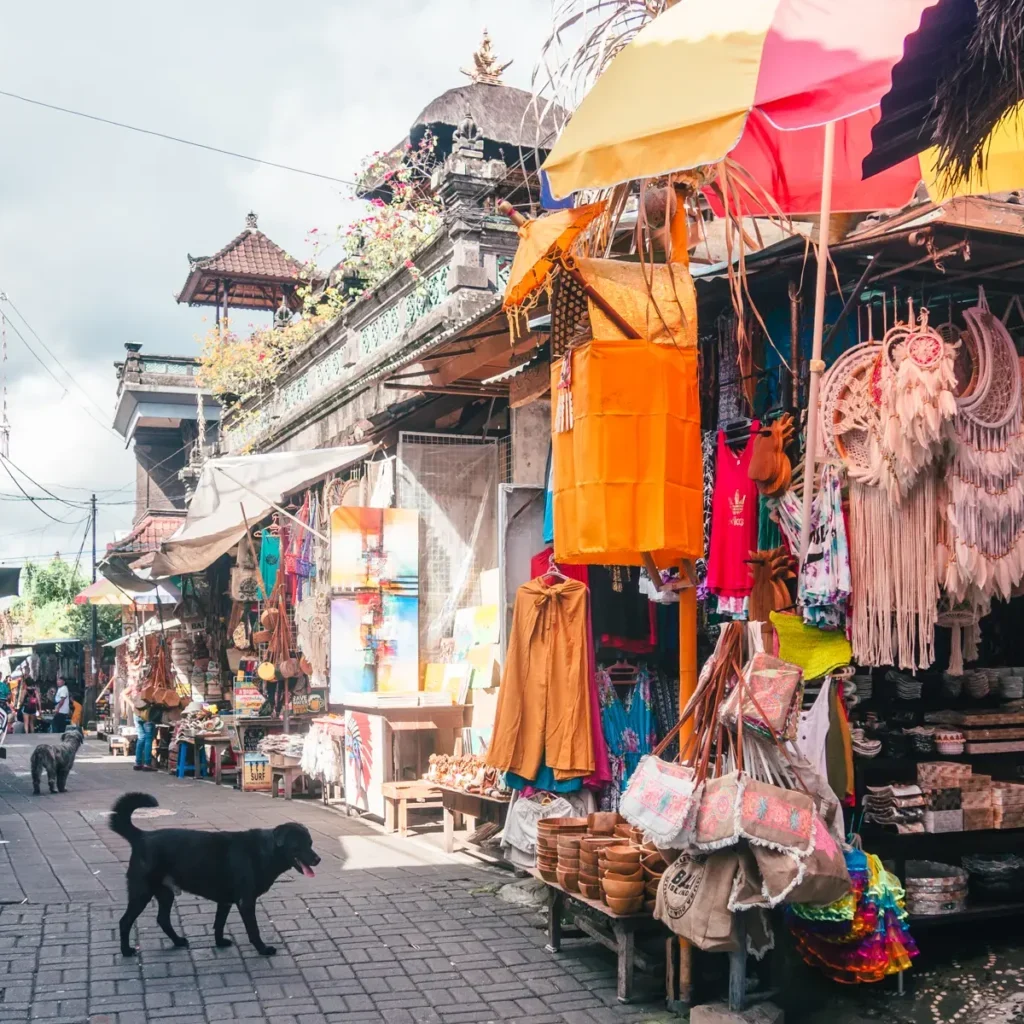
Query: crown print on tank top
pixel 733 520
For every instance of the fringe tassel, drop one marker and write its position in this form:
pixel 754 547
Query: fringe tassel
pixel 564 418
pixel 894 571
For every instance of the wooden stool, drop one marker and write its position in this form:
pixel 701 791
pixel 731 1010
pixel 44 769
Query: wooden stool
pixel 287 776
pixel 219 749
pixel 399 795
pixel 118 745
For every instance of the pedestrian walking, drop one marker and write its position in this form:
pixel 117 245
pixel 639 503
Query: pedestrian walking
pixel 61 707
pixel 30 709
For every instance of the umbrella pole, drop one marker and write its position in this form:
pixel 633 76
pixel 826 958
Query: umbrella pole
pixel 817 366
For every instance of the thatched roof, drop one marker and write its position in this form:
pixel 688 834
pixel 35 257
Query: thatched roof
pixel 505 115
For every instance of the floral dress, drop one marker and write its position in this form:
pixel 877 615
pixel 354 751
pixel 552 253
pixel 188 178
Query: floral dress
pixel 629 730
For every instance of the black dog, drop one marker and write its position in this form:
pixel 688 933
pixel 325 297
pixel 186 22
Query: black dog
pixel 56 760
pixel 230 868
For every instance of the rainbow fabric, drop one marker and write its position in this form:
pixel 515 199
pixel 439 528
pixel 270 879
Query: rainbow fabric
pixel 864 936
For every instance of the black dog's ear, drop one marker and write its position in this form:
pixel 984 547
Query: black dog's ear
pixel 281 835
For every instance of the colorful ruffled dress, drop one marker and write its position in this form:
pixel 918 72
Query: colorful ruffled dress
pixel 864 936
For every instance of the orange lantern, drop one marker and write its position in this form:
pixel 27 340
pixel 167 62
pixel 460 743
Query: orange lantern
pixel 628 470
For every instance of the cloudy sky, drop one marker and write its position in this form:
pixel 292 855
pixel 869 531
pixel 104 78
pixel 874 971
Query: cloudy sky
pixel 96 222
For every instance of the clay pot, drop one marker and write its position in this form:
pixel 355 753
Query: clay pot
pixel 562 824
pixel 548 876
pixel 592 892
pixel 623 830
pixel 589 878
pixel 632 906
pixel 623 890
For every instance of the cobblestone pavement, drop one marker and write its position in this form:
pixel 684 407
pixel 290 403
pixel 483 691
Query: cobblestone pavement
pixel 389 931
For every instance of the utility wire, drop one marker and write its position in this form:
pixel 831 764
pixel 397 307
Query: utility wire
pixel 6 297
pixel 57 380
pixel 3 462
pixel 175 138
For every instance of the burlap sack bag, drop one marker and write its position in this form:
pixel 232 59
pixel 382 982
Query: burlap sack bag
pixel 818 879
pixel 693 900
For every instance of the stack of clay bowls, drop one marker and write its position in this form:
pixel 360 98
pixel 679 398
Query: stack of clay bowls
pixel 654 867
pixel 622 880
pixel 548 832
pixel 568 871
pixel 591 849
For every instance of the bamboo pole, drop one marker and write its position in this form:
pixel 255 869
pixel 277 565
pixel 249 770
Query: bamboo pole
pixel 817 366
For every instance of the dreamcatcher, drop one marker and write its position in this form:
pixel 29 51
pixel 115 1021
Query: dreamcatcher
pixel 918 382
pixel 892 544
pixel 982 554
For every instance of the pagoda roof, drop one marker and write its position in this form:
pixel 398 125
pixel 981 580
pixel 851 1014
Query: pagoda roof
pixel 256 271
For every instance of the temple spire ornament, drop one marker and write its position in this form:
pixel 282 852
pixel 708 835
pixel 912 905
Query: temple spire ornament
pixel 486 68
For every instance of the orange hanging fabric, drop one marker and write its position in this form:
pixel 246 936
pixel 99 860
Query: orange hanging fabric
pixel 543 712
pixel 628 472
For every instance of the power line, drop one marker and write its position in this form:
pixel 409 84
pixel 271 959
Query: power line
pixel 64 388
pixel 4 463
pixel 175 138
pixel 5 296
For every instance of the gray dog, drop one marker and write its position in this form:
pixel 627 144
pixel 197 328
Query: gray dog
pixel 56 761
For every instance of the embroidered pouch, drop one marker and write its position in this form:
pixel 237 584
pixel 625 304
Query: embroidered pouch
pixel 772 692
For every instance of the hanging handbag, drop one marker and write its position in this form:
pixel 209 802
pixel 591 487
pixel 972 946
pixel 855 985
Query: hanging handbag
pixel 773 693
pixel 662 797
pixel 243 584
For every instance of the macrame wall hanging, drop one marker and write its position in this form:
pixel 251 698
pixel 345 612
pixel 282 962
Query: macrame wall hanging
pixel 982 552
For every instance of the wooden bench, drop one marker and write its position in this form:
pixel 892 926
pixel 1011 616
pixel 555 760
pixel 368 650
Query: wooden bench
pixel 469 809
pixel 617 932
pixel 220 747
pixel 399 795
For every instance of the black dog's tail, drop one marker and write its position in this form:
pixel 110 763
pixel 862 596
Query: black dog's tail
pixel 124 808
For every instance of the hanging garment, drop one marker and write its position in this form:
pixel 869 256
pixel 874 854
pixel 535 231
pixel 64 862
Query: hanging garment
pixel 825 581
pixel 543 713
pixel 812 733
pixel 734 518
pixel 816 651
pixel 549 501
pixel 541 563
pixel 270 557
pixel 629 730
pixel 623 618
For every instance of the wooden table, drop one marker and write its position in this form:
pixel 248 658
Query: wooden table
pixel 458 805
pixel 219 744
pixel 399 796
pixel 599 922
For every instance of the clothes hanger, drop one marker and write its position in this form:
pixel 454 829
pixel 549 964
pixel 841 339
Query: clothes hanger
pixel 553 570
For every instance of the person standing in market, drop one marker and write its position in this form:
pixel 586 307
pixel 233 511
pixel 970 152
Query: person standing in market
pixel 61 707
pixel 147 718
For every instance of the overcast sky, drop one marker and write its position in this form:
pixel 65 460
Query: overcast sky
pixel 96 222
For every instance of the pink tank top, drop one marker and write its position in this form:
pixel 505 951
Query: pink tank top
pixel 733 520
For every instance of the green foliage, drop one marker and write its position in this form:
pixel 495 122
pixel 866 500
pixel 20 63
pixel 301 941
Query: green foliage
pixel 47 606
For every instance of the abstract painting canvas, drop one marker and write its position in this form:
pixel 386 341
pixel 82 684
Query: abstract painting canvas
pixel 375 549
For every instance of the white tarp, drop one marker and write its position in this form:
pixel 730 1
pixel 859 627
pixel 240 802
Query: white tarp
pixel 153 625
pixel 215 524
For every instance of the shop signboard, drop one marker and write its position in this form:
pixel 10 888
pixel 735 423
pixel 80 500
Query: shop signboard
pixel 312 703
pixel 256 772
pixel 247 701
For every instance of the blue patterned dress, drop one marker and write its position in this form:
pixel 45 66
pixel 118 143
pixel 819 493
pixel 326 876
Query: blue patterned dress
pixel 629 728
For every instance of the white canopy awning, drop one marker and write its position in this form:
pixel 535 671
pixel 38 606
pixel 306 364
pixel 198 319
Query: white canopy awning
pixel 153 625
pixel 215 523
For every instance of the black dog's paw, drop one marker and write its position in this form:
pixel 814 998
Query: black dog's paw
pixel 181 942
pixel 128 951
pixel 224 943
pixel 268 951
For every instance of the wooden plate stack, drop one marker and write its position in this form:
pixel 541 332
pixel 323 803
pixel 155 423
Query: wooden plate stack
pixel 568 871
pixel 590 867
